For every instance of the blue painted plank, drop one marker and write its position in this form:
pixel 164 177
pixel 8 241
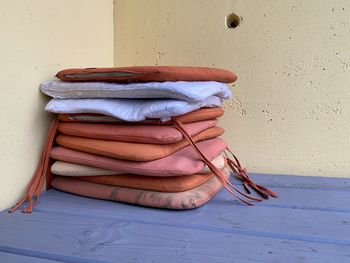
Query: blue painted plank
pixel 308 223
pixel 310 199
pixel 14 258
pixel 88 239
pixel 223 212
pixel 297 181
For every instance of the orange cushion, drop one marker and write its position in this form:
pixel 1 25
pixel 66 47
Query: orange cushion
pixel 182 162
pixel 161 184
pixel 193 198
pixel 194 116
pixel 132 151
pixel 155 134
pixel 146 74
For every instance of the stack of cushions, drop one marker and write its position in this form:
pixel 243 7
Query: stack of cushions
pixel 140 135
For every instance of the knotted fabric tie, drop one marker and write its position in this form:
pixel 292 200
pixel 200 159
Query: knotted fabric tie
pixel 234 165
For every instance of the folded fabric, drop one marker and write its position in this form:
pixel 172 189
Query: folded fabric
pixel 182 162
pixel 198 115
pixel 194 91
pixel 72 169
pixel 156 134
pixel 131 109
pixel 181 200
pixel 146 74
pixel 129 150
pixel 160 184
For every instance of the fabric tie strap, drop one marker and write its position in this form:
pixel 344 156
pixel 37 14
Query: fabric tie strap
pixel 234 165
pixel 36 184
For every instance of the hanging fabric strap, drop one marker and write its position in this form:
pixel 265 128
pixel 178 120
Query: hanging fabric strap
pixel 225 182
pixel 241 173
pixel 36 184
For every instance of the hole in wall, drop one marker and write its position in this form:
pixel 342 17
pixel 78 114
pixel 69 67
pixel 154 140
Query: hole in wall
pixel 232 21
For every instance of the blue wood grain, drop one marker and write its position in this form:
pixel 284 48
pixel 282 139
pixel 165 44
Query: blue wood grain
pixel 298 224
pixel 88 239
pixel 310 222
pixel 15 258
pixel 297 181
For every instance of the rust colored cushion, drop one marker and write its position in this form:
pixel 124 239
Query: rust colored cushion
pixel 181 200
pixel 194 116
pixel 132 151
pixel 72 169
pixel 160 184
pixel 146 74
pixel 182 162
pixel 156 134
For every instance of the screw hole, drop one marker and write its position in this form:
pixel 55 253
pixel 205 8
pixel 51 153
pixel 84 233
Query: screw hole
pixel 232 20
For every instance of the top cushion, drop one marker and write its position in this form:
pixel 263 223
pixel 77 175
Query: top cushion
pixel 179 90
pixel 146 74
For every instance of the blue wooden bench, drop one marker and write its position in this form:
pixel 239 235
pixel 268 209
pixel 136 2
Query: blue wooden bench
pixel 309 222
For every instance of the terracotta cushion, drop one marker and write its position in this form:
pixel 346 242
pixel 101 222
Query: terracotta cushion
pixel 181 200
pixel 182 162
pixel 146 74
pixel 160 184
pixel 194 116
pixel 72 169
pixel 156 134
pixel 132 151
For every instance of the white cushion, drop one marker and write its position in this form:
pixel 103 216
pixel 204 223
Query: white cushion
pixel 131 109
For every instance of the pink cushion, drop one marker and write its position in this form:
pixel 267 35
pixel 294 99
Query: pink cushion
pixel 133 133
pixel 182 162
pixel 181 200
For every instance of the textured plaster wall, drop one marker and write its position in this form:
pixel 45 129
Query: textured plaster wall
pixel 39 37
pixel 291 111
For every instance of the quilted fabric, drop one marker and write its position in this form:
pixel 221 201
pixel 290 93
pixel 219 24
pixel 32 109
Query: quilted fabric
pixel 198 115
pixel 72 169
pixel 156 134
pixel 181 200
pixel 131 109
pixel 132 151
pixel 160 184
pixel 182 162
pixel 180 90
pixel 147 74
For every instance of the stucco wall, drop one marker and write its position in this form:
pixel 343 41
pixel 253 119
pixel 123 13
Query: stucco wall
pixel 291 113
pixel 39 37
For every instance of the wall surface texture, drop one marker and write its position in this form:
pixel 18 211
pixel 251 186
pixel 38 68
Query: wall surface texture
pixel 291 111
pixel 39 37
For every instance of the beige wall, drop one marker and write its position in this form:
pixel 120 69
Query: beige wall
pixel 39 37
pixel 291 112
